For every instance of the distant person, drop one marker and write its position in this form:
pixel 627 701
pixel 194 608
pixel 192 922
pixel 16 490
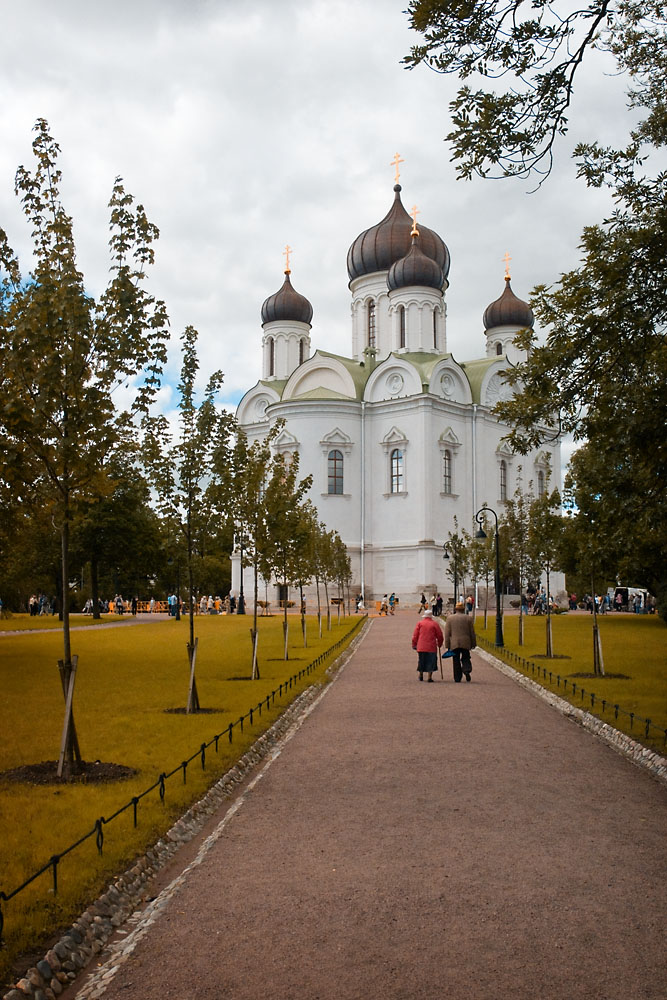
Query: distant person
pixel 384 606
pixel 151 606
pixel 427 638
pixel 470 604
pixel 392 602
pixel 135 604
pixel 460 637
pixel 422 603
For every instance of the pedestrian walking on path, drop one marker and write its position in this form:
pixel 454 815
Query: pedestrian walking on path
pixel 427 638
pixel 460 638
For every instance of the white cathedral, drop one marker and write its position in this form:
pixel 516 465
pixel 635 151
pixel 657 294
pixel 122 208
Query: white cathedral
pixel 399 437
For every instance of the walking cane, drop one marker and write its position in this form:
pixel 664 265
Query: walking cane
pixel 442 676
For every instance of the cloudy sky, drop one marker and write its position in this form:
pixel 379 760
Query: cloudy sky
pixel 243 127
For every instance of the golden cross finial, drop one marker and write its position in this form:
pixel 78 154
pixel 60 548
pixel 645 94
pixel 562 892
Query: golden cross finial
pixel 286 252
pixel 414 213
pixel 395 162
pixel 507 260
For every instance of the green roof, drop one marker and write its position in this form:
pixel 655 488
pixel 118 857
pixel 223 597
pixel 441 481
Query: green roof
pixel 475 372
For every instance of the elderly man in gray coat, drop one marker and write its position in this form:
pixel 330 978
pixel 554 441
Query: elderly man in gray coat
pixel 460 637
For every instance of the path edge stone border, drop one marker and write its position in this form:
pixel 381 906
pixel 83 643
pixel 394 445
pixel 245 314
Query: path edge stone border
pixel 635 752
pixel 88 935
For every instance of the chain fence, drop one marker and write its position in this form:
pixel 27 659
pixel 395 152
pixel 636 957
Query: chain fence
pixel 97 830
pixel 591 701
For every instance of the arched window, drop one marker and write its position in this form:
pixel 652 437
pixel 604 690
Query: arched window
pixel 503 480
pixel 335 472
pixel 447 472
pixel 302 351
pixel 396 460
pixel 272 356
pixel 499 348
pixel 401 326
pixel 371 324
pixel 435 328
pixel 540 483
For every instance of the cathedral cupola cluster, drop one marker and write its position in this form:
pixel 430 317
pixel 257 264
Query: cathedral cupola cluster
pixel 398 275
pixel 286 322
pixel 503 319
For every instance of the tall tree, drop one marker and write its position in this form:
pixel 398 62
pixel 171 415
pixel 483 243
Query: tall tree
pixel 602 372
pixel 62 355
pixel 186 473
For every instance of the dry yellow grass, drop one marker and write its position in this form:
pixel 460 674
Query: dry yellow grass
pixel 634 650
pixel 128 678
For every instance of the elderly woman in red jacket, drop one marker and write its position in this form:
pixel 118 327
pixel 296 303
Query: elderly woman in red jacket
pixel 426 639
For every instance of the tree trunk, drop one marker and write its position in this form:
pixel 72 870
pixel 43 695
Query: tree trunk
pixel 326 597
pixel 550 647
pixel 95 587
pixel 598 662
pixel 319 607
pixel 253 634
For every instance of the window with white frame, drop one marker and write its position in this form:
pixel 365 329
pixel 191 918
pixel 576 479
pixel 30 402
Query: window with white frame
pixel 396 470
pixel 272 356
pixel 335 472
pixel 371 324
pixel 447 471
pixel 503 480
pixel 401 326
pixel 540 483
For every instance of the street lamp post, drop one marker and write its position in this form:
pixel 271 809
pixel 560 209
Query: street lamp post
pixel 456 579
pixel 481 534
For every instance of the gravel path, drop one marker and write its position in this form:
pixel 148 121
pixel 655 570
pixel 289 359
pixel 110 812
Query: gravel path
pixel 412 841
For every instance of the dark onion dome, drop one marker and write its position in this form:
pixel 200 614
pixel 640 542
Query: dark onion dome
pixel 377 248
pixel 286 305
pixel 415 269
pixel 508 310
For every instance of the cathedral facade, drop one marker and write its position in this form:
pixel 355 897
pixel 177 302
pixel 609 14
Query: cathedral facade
pixel 400 437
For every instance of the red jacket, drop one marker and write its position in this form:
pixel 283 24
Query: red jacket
pixel 427 636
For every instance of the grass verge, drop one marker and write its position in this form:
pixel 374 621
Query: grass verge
pixel 129 682
pixel 634 651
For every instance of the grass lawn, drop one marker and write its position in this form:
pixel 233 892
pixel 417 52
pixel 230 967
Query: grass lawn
pixel 127 680
pixel 24 623
pixel 634 646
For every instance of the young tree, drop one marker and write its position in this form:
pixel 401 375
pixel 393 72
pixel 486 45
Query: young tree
pixel 517 523
pixel 63 354
pixel 249 473
pixel 285 529
pixel 546 526
pixel 457 557
pixel 342 568
pixel 186 474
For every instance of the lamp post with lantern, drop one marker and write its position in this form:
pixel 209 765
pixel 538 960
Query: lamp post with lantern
pixel 481 534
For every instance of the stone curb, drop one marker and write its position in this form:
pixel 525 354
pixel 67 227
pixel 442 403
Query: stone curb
pixel 640 755
pixel 88 935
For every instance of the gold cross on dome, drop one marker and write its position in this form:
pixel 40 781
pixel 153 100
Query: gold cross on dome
pixel 286 252
pixel 507 260
pixel 395 162
pixel 414 213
